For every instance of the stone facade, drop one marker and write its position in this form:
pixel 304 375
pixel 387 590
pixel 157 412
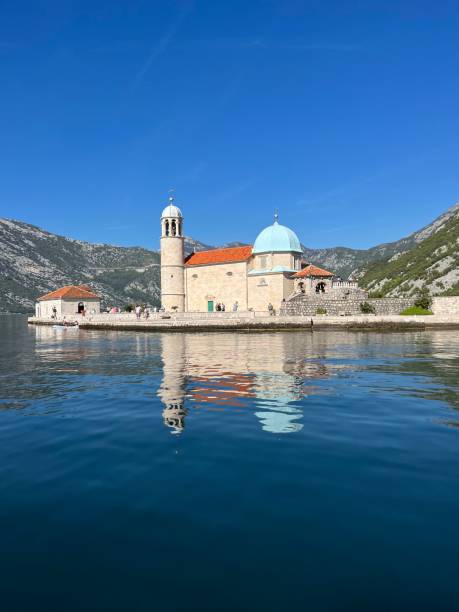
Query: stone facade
pixel 66 308
pixel 267 262
pixel 244 321
pixel 224 283
pixel 445 305
pixel 308 306
pixel 254 277
pixel 268 289
pixel 172 260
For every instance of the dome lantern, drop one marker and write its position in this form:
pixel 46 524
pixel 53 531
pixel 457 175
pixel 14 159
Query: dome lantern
pixel 172 219
pixel 171 210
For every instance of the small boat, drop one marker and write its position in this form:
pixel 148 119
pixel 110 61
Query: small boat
pixel 72 325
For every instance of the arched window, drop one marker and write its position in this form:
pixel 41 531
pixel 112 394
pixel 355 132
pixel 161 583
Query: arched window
pixel 179 228
pixel 173 228
pixel 320 287
pixel 166 228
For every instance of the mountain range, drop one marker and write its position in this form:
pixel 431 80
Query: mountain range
pixel 34 261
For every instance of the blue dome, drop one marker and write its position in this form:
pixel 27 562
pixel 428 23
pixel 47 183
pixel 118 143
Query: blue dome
pixel 277 239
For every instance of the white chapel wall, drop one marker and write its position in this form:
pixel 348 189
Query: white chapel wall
pixel 66 307
pixel 268 288
pixel 224 283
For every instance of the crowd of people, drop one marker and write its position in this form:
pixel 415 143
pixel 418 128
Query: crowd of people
pixel 221 307
pixel 144 311
pixel 139 310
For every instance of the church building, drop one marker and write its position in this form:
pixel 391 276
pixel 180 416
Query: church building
pixel 270 271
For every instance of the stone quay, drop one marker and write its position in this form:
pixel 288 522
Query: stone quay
pixel 255 321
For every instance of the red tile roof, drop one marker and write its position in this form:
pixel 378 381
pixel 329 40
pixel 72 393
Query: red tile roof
pixel 312 271
pixel 215 256
pixel 70 292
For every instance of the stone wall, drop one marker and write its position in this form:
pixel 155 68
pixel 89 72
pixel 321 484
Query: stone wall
pixel 225 283
pixel 268 288
pixel 307 306
pixel 172 273
pixel 445 305
pixel 354 293
pixel 338 290
pixel 68 308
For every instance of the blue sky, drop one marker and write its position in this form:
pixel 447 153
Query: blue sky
pixel 343 115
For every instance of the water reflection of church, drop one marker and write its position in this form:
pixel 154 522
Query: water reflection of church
pixel 234 371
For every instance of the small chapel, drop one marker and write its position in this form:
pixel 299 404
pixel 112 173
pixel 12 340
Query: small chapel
pixel 243 277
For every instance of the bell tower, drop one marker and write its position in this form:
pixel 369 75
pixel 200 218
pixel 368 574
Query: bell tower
pixel 172 259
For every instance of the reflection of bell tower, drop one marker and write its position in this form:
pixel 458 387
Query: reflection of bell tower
pixel 172 389
pixel 172 264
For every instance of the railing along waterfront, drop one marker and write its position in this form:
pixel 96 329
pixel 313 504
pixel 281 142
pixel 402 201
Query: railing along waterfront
pixel 174 316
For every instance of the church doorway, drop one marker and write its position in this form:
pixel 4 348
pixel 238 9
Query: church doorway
pixel 210 306
pixel 80 307
pixel 320 287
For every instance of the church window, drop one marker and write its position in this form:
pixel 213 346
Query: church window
pixel 320 287
pixel 173 228
pixel 166 227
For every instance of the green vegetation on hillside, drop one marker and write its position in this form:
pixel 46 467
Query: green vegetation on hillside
pixel 431 259
pixel 34 262
pixel 454 290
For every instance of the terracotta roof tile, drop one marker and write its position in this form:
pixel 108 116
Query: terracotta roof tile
pixel 312 271
pixel 72 292
pixel 214 256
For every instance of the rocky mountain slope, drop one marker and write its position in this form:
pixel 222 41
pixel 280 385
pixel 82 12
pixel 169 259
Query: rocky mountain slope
pixel 191 245
pixel 433 261
pixel 350 262
pixel 33 262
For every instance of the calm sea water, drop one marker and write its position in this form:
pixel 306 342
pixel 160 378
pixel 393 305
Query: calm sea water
pixel 258 472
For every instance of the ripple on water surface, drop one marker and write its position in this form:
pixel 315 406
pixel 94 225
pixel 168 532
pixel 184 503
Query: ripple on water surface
pixel 219 471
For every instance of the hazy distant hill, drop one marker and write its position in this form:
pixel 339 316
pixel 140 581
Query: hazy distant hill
pixel 346 262
pixel 432 261
pixel 34 261
pixel 191 245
